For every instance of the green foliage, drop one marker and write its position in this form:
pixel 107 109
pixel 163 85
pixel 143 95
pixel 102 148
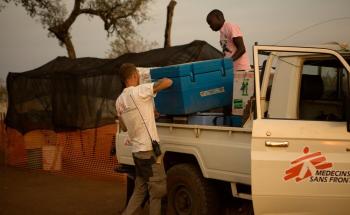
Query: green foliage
pixel 49 12
pixel 119 16
pixel 129 43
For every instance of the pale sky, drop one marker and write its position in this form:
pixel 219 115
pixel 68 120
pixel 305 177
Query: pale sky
pixel 24 44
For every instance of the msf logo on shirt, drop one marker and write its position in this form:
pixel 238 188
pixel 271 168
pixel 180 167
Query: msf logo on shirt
pixel 306 165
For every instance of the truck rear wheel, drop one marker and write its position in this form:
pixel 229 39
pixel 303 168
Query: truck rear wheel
pixel 189 192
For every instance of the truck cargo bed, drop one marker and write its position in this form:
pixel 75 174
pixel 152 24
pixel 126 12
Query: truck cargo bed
pixel 222 153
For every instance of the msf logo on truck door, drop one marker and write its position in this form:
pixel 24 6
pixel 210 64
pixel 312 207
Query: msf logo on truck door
pixel 314 168
pixel 307 166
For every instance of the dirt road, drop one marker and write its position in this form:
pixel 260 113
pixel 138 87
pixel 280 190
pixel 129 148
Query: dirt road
pixel 28 192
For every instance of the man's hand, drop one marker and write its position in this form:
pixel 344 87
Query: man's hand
pixel 162 84
pixel 156 114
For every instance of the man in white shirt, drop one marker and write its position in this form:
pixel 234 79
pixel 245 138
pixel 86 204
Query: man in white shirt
pixel 135 110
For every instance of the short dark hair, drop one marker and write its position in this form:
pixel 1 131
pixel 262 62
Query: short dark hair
pixel 126 70
pixel 217 13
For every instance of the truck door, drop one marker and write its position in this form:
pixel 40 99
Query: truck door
pixel 301 146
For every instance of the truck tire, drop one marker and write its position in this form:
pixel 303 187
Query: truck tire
pixel 189 192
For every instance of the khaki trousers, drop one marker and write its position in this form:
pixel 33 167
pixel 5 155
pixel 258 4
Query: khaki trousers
pixel 151 178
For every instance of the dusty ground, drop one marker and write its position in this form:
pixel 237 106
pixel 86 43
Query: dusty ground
pixel 27 192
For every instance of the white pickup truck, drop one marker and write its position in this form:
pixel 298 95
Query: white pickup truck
pixel 291 157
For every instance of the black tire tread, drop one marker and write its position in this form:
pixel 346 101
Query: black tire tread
pixel 207 193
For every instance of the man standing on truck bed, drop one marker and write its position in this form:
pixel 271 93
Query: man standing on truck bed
pixel 231 39
pixel 136 116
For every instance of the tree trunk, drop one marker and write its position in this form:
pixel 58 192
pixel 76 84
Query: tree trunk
pixel 169 22
pixel 63 36
pixel 70 48
pixel 61 31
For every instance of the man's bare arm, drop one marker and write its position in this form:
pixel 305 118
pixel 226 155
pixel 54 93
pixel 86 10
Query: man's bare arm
pixel 162 84
pixel 122 125
pixel 238 41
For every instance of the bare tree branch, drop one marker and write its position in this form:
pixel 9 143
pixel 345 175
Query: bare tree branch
pixel 119 16
pixel 169 22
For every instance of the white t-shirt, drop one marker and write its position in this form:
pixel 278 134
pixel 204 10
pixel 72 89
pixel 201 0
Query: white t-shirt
pixel 126 109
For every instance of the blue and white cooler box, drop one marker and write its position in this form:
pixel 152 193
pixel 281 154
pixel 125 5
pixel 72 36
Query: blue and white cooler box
pixel 197 86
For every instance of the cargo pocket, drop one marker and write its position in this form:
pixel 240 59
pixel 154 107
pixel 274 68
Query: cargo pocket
pixel 157 183
pixel 143 165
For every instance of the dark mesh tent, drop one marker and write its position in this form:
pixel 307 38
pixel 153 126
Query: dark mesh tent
pixel 67 94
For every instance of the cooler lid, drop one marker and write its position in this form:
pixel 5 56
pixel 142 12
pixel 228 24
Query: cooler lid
pixel 175 71
pixel 212 65
pixel 189 69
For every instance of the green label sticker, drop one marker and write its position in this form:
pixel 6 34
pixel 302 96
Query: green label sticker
pixel 238 103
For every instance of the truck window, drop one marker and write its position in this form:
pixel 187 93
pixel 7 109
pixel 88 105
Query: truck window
pixel 304 86
pixel 322 92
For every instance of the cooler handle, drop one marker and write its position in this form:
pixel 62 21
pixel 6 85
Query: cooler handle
pixel 223 69
pixel 223 72
pixel 192 75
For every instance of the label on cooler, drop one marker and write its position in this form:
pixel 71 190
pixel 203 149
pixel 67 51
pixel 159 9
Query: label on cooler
pixel 212 91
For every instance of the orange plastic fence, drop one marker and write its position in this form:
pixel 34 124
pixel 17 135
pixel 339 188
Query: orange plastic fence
pixel 84 152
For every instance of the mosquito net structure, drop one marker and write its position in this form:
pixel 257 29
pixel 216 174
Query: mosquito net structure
pixel 67 94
